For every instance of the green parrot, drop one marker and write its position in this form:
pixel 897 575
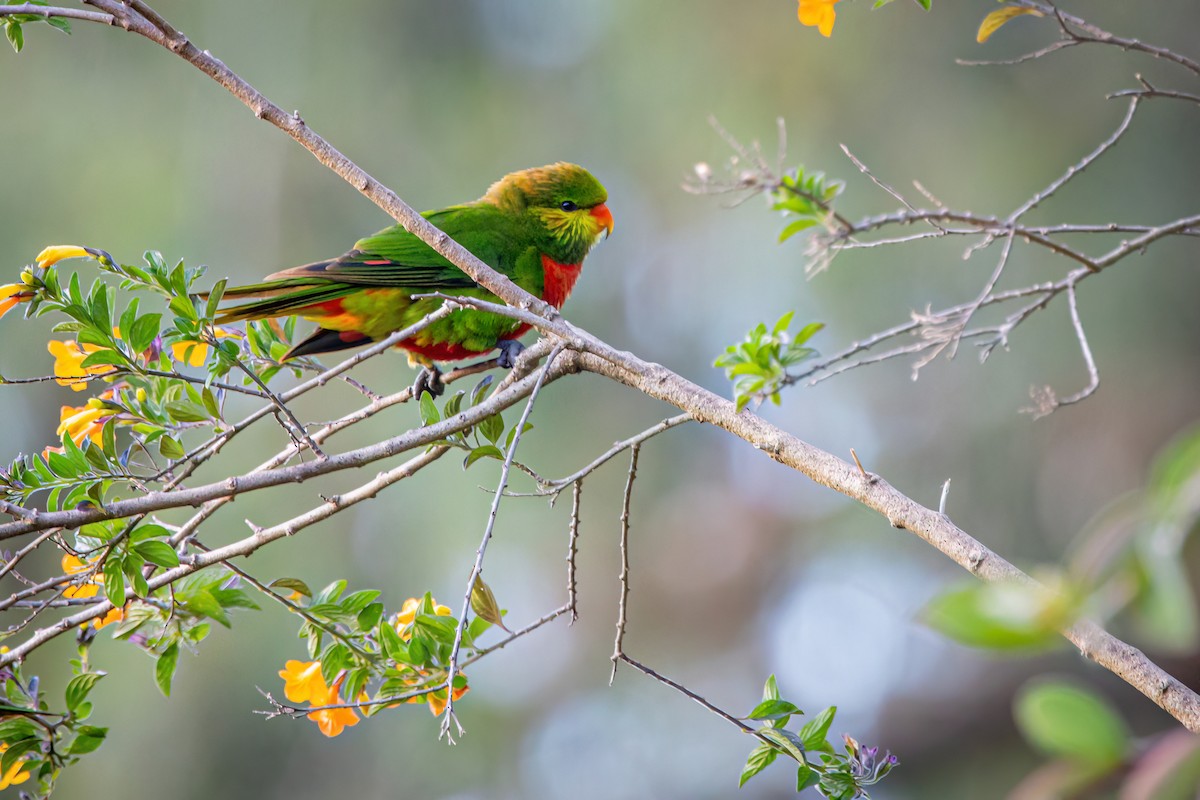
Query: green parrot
pixel 534 226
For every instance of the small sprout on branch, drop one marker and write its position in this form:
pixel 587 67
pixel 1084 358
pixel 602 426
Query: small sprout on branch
pixel 841 776
pixel 807 197
pixel 758 364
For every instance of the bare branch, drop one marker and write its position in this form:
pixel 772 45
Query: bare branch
pixel 1079 166
pixel 56 11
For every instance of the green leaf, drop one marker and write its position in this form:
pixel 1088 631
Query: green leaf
pixel 170 447
pixel 838 785
pixel 760 758
pixel 492 428
pixel 486 451
pixel 148 531
pixel 104 358
pixel 89 739
pixel 203 603
pixel 393 646
pixel 182 304
pixel 429 411
pixel 1066 721
pixel 164 668
pixel 771 688
pixel 1000 616
pixel 157 552
pixel 186 411
pixel 512 434
pixel 214 298
pixel 369 617
pixel 815 731
pixel 773 709
pixel 145 329
pixel 233 598
pixel 210 403
pixel 15 750
pixel 795 227
pixel 293 584
pixel 806 777
pixel 436 626
pixel 357 601
pixel 480 389
pixel 79 687
pixel 452 405
pixel 15 37
pixel 483 603
pixel 132 566
pixel 114 581
pixel 786 741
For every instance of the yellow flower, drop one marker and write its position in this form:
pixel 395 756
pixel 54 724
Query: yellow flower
pixel 73 566
pixel 67 359
pixel 56 253
pixel 302 680
pixel 16 773
pixel 408 613
pixel 12 294
pixel 85 422
pixel 818 13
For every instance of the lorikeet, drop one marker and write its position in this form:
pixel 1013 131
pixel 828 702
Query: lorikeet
pixel 535 226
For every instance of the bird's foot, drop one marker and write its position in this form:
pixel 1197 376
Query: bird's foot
pixel 509 350
pixel 429 379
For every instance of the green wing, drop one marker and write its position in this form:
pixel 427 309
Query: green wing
pixel 395 257
pixel 392 258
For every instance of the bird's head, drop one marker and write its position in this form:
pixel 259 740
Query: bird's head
pixel 564 202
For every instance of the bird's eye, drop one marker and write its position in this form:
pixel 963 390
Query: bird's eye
pixel 567 205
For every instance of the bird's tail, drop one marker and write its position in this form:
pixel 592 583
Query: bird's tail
pixel 279 295
pixel 276 300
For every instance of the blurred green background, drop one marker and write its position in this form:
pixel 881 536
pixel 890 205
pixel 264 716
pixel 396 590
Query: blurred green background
pixel 740 568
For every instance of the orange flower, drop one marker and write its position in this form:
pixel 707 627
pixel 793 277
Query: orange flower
pixel 408 613
pixel 85 422
pixel 818 14
pixel 437 700
pixel 12 294
pixel 302 680
pixel 73 566
pixel 16 773
pixel 332 721
pixel 68 356
pixel 113 615
pixel 199 350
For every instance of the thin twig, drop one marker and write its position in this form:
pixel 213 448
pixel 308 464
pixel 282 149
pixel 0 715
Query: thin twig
pixel 573 550
pixel 448 716
pixel 622 608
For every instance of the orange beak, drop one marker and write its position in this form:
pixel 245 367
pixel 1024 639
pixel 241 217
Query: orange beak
pixel 604 217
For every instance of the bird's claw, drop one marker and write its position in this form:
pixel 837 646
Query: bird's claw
pixel 429 379
pixel 509 350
